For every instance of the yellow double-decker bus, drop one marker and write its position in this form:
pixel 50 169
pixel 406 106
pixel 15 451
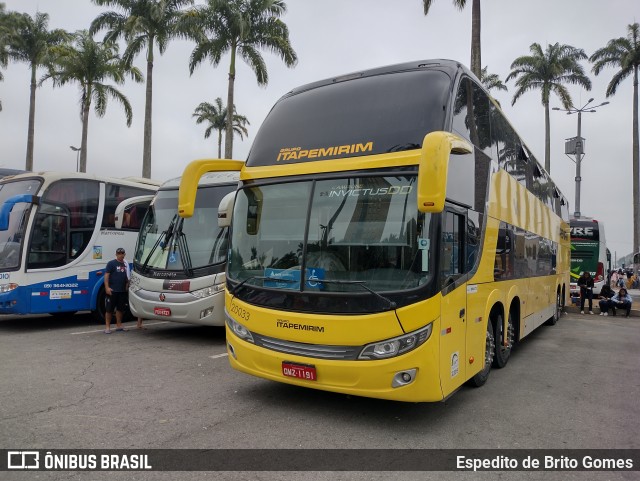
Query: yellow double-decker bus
pixel 392 236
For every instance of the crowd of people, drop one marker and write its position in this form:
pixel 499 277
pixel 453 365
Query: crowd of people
pixel 608 299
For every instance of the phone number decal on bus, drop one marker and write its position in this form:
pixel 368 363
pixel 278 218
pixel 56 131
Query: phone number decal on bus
pixel 57 286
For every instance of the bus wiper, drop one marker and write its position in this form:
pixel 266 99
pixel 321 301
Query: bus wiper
pixel 163 240
pixel 183 248
pixel 363 284
pixel 263 278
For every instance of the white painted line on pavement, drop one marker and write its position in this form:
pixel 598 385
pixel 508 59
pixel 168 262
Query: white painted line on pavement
pixel 219 355
pixel 113 329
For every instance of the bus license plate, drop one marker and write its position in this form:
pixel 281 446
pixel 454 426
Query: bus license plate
pixel 162 311
pixel 300 371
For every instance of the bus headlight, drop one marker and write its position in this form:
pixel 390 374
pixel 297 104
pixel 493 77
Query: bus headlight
pixel 208 291
pixel 397 345
pixel 238 329
pixel 134 283
pixel 8 287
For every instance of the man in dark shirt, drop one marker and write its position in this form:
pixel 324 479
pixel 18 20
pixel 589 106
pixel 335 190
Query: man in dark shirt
pixel 115 285
pixel 585 283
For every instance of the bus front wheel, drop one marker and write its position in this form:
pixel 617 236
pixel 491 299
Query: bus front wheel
pixel 101 306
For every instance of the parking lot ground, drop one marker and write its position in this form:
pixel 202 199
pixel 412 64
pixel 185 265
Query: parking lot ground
pixel 66 385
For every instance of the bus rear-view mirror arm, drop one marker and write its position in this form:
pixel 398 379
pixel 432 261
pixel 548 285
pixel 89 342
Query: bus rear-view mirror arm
pixel 191 176
pixel 437 148
pixel 5 211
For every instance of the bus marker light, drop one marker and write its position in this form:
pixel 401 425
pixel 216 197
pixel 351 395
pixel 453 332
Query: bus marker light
pixel 471 359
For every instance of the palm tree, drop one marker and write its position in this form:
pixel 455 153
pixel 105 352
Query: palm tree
pixel 142 23
pixel 31 42
pixel 242 28
pixel 476 60
pixel 89 64
pixel 4 34
pixel 549 71
pixel 624 53
pixel 216 116
pixel 491 81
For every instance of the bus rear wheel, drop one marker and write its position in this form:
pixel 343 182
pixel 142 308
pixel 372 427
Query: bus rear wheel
pixel 481 378
pixel 503 352
pixel 557 312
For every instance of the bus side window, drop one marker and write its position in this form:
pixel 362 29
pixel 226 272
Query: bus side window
pixel 452 252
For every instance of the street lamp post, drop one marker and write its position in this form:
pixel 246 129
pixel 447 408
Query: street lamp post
pixel 77 150
pixel 575 145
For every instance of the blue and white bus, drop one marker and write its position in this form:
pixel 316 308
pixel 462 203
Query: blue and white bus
pixel 57 232
pixel 179 264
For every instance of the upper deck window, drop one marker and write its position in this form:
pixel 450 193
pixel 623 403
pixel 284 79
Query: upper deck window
pixel 369 115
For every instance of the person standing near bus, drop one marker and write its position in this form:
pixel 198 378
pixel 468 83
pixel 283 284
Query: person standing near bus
pixel 585 283
pixel 116 283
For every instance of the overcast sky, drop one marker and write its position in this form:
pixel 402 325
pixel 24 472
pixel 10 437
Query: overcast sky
pixel 333 37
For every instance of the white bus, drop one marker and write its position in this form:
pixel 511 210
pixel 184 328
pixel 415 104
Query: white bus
pixel 57 232
pixel 179 264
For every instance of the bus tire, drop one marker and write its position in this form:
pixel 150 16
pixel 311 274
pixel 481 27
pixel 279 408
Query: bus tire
pixel 101 306
pixel 489 349
pixel 553 320
pixel 503 353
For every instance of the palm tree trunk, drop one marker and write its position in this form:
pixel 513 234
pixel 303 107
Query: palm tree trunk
pixel 636 168
pixel 220 143
pixel 32 120
pixel 228 140
pixel 476 61
pixel 86 104
pixel 547 139
pixel 146 149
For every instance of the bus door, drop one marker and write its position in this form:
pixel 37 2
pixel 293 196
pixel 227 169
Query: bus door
pixel 453 325
pixel 48 250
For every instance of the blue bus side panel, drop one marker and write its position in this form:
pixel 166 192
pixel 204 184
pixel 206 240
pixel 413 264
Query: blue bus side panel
pixel 58 295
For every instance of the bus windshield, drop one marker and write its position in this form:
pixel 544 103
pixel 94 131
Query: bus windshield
pixel 342 232
pixel 12 238
pixel 345 118
pixel 206 243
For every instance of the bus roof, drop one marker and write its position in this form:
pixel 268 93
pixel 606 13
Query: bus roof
pixel 210 178
pixel 53 176
pixel 451 67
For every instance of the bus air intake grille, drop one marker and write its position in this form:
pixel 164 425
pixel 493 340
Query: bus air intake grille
pixel 309 350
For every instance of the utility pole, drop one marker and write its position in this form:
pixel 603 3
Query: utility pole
pixel 575 145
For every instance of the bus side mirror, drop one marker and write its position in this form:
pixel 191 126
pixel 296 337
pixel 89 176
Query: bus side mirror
pixel 437 148
pixel 226 209
pixel 191 176
pixel 5 211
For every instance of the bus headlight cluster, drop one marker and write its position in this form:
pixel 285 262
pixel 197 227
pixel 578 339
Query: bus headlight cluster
pixel 238 329
pixel 397 345
pixel 134 283
pixel 208 291
pixel 8 287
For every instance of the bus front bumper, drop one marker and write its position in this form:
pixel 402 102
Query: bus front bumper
pixel 208 311
pixel 365 378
